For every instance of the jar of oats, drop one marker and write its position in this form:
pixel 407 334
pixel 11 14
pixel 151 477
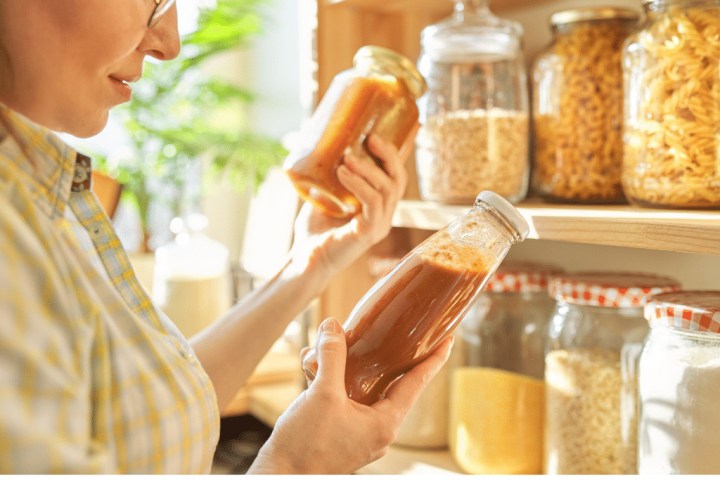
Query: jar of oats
pixel 680 385
pixel 595 338
pixel 497 394
pixel 577 107
pixel 672 106
pixel 474 116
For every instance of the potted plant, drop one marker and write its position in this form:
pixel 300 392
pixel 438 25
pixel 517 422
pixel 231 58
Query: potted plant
pixel 185 123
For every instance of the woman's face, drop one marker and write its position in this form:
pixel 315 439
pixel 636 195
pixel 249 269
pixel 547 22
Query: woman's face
pixel 68 62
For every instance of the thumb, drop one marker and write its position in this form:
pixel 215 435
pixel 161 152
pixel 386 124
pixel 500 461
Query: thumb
pixel 331 354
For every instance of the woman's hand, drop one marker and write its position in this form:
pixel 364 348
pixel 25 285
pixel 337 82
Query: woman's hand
pixel 325 432
pixel 333 244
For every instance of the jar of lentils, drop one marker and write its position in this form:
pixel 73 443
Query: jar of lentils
pixel 594 343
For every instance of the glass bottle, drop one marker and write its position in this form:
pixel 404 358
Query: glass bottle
pixel 577 107
pixel 497 395
pixel 415 306
pixel 192 282
pixel 679 385
pixel 594 343
pixel 672 106
pixel 377 95
pixel 474 116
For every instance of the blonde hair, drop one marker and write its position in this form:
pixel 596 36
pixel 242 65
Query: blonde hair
pixel 672 132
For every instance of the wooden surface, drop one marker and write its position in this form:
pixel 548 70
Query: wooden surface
pixel 689 231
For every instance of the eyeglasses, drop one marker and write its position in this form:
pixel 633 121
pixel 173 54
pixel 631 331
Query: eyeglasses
pixel 161 7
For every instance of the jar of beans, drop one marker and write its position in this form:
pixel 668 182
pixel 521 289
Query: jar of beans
pixel 577 107
pixel 594 342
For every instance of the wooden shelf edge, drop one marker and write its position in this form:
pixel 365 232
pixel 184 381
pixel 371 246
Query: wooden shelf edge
pixel 686 231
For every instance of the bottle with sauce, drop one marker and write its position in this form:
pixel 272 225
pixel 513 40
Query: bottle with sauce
pixel 377 95
pixel 415 306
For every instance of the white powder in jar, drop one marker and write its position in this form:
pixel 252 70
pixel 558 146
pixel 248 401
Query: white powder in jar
pixel 680 421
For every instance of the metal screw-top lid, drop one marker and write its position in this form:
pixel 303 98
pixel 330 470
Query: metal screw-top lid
pixel 507 210
pixel 590 14
pixel 395 64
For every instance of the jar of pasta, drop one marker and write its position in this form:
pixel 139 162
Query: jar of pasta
pixel 577 107
pixel 474 116
pixel 497 396
pixel 595 338
pixel 672 106
pixel 680 385
pixel 378 95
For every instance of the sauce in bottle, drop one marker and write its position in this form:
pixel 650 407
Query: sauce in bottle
pixel 414 307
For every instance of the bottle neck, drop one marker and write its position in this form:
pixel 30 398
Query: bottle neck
pixel 471 7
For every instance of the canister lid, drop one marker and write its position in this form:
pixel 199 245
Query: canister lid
pixel 588 14
pixel 609 289
pixel 511 214
pixel 689 310
pixel 520 276
pixel 396 64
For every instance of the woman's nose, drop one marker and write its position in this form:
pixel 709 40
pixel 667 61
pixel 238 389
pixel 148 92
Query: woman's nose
pixel 162 41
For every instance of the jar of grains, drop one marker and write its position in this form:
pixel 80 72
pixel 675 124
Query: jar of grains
pixel 595 338
pixel 577 107
pixel 497 395
pixel 672 106
pixel 377 95
pixel 680 385
pixel 474 117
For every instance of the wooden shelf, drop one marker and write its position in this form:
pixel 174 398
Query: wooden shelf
pixel 393 6
pixel 688 231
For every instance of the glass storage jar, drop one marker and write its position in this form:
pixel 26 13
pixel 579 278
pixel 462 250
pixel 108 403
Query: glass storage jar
pixel 497 394
pixel 594 342
pixel 474 130
pixel 679 385
pixel 672 106
pixel 577 107
pixel 377 95
pixel 415 306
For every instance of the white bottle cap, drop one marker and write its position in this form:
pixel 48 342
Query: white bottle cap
pixel 507 210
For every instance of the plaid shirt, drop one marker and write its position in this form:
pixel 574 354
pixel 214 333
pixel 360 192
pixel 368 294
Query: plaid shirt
pixel 93 377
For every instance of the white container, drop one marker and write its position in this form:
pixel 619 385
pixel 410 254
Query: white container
pixel 192 282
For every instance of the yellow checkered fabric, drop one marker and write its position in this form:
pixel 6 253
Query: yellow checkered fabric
pixel 93 378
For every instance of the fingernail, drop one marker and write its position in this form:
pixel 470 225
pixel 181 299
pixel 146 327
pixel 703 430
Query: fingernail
pixel 330 325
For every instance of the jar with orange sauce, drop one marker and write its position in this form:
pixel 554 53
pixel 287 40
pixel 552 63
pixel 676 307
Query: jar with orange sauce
pixel 377 95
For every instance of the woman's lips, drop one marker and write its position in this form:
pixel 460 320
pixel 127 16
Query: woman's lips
pixel 122 87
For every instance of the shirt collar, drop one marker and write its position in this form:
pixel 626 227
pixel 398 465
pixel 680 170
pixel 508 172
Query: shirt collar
pixel 53 168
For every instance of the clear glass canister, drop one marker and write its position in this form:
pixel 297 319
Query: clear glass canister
pixel 497 393
pixel 672 106
pixel 680 385
pixel 577 107
pixel 594 343
pixel 416 305
pixel 474 116
pixel 378 95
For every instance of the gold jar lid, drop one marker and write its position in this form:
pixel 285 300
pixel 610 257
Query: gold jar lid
pixel 396 64
pixel 590 14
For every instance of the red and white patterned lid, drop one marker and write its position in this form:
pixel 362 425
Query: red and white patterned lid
pixel 520 276
pixel 689 310
pixel 609 289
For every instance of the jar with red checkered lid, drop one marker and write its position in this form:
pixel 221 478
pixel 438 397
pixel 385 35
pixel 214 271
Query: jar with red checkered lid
pixel 594 341
pixel 497 394
pixel 679 385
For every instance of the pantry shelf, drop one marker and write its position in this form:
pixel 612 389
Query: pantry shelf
pixel 622 225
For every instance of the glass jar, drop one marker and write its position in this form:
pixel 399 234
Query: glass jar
pixel 595 338
pixel 680 385
pixel 577 107
pixel 415 306
pixel 672 106
pixel 378 95
pixel 497 394
pixel 474 117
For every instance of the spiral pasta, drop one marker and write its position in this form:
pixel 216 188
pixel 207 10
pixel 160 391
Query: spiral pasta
pixel 672 124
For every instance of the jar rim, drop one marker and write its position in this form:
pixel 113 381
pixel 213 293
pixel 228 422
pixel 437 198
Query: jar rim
pixel 399 64
pixel 588 14
pixel 696 311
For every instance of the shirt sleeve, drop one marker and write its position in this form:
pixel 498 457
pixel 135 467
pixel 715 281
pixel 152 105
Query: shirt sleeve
pixel 45 367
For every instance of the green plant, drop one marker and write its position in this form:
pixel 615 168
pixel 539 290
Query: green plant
pixel 181 117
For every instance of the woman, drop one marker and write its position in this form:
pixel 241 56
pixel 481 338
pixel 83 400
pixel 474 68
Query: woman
pixel 96 379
